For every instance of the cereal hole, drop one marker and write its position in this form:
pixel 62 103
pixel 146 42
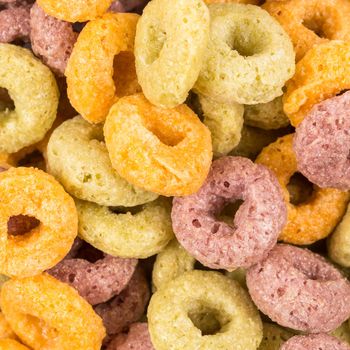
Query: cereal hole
pixel 316 26
pixel 227 214
pixel 19 225
pixel 6 102
pixel 300 189
pixel 125 210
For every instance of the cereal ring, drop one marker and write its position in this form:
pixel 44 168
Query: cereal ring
pixel 87 173
pixel 169 151
pixel 274 337
pixel 47 314
pixel 5 329
pixel 266 115
pixel 225 122
pixel 91 86
pixel 14 24
pixel 28 191
pixel 36 106
pixel 322 73
pixel 96 282
pixel 10 344
pixel 320 293
pixel 138 338
pixel 255 227
pixel 322 141
pixel 199 292
pixel 127 307
pixel 51 39
pixel 128 235
pixel 312 22
pixel 249 56
pixel 170 42
pixel 315 342
pixel 75 11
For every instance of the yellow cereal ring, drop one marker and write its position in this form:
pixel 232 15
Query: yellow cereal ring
pixel 170 42
pixel 274 337
pixel 322 73
pixel 312 22
pixel 6 331
pixel 197 293
pixel 47 314
pixel 249 56
pixel 10 344
pixel 78 158
pixel 33 88
pixel 128 235
pixel 75 11
pixel 31 192
pixel 90 76
pixel 225 122
pixel 166 151
pixel 316 218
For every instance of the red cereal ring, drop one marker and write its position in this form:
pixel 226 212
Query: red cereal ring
pixel 314 342
pixel 14 24
pixel 299 289
pixel 255 227
pixel 137 338
pixel 51 39
pixel 127 307
pixel 322 143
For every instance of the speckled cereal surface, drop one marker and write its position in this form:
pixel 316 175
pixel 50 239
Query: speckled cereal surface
pixel 315 342
pixel 6 331
pixel 14 24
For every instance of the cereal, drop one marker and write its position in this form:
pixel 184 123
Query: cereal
pixel 91 86
pixel 14 24
pixel 266 115
pixel 249 56
pixel 34 91
pixel 320 293
pixel 314 219
pixel 252 2
pixel 168 151
pixel 5 329
pixel 10 344
pixel 127 307
pixel 322 73
pixel 274 337
pixel 225 122
pixel 255 227
pixel 322 142
pixel 170 43
pixel 126 235
pixel 51 39
pixel 75 11
pixel 315 341
pixel 312 22
pixel 47 315
pixel 199 292
pixel 78 158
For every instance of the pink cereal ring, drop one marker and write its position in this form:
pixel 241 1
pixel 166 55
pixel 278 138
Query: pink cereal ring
pixel 314 342
pixel 52 39
pixel 14 24
pixel 322 143
pixel 300 290
pixel 137 338
pixel 255 227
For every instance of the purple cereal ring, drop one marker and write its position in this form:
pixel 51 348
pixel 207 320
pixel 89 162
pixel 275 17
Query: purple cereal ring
pixel 52 39
pixel 322 143
pixel 255 227
pixel 127 307
pixel 299 289
pixel 137 338
pixel 14 24
pixel 313 342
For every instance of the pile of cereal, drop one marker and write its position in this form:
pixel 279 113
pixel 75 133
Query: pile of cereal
pixel 174 175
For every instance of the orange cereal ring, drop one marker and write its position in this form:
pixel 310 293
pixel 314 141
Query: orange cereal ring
pixel 166 151
pixel 31 192
pixel 75 11
pixel 322 73
pixel 47 314
pixel 91 86
pixel 10 344
pixel 317 217
pixel 311 22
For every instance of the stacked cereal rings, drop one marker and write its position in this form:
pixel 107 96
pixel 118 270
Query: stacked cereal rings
pixel 174 175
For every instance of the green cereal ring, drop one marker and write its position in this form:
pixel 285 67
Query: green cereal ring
pixel 266 115
pixel 339 242
pixel 199 293
pixel 249 56
pixel 274 337
pixel 78 158
pixel 34 91
pixel 171 39
pixel 225 122
pixel 343 332
pixel 128 235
